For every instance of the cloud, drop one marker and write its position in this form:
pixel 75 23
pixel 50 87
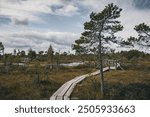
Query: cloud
pixel 21 22
pixel 4 20
pixel 142 4
pixel 99 4
pixel 68 10
pixel 60 16
pixel 38 40
pixel 20 10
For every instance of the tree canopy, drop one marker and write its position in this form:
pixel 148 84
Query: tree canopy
pixel 143 39
pixel 50 53
pixel 144 35
pixel 32 54
pixel 1 48
pixel 102 26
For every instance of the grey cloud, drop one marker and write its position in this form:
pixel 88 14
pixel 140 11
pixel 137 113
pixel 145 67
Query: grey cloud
pixel 21 22
pixel 8 20
pixel 130 16
pixel 38 40
pixel 55 7
pixel 20 46
pixel 142 4
pixel 16 1
pixel 4 20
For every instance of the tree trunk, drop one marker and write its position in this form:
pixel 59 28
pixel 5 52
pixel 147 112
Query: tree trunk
pixel 101 67
pixel 57 61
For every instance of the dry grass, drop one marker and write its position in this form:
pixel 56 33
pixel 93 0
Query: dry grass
pixel 133 83
pixel 21 84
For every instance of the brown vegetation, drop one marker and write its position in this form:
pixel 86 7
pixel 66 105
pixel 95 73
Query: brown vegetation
pixel 35 82
pixel 133 83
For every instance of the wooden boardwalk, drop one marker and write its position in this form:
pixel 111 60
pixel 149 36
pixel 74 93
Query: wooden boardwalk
pixel 64 92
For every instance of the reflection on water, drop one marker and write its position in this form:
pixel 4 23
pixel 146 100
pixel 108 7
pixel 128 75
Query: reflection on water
pixel 74 64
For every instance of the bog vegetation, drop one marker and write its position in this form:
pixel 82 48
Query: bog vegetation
pixel 39 79
pixel 132 83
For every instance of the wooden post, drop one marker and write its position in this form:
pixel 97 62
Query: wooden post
pixel 115 64
pixel 109 64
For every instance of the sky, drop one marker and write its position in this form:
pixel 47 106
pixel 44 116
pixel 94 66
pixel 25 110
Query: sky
pixel 36 24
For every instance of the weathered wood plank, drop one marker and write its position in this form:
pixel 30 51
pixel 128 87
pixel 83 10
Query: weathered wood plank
pixel 64 92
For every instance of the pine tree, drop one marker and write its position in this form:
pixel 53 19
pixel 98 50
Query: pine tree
pixel 2 48
pixel 50 53
pixel 100 31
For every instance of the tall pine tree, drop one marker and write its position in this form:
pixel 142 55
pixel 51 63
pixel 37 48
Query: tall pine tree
pixel 100 31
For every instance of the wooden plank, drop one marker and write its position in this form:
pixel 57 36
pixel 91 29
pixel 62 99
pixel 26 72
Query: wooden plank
pixel 53 97
pixel 64 92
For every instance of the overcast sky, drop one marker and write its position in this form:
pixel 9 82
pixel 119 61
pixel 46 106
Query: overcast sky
pixel 36 24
